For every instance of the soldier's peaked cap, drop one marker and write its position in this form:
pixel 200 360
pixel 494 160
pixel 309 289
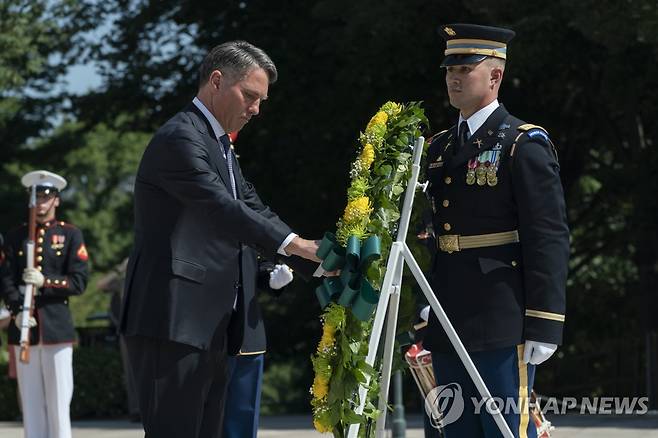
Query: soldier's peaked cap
pixel 44 181
pixel 472 43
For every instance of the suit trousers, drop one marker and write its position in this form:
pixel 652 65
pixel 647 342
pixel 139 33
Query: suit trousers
pixel 509 381
pixel 180 388
pixel 243 396
pixel 46 387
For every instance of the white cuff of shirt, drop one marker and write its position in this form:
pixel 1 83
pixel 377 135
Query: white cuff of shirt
pixel 285 243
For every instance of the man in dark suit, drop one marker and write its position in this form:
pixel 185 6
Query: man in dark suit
pixel 503 242
pixel 183 307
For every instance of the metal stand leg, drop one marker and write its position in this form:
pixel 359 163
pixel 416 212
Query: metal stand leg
pixel 389 346
pixel 456 342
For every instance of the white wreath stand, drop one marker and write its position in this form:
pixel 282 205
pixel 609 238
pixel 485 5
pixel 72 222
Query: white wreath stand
pixel 389 300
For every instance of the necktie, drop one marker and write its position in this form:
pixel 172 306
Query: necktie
pixel 226 145
pixel 464 134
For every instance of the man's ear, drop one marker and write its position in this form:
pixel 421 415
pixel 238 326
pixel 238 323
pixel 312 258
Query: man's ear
pixel 56 201
pixel 496 76
pixel 216 78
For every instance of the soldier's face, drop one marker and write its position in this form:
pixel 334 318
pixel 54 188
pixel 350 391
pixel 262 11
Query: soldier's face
pixel 469 86
pixel 235 103
pixel 46 205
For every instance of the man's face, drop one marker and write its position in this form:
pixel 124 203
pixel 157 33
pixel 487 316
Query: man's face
pixel 234 103
pixel 46 204
pixel 469 86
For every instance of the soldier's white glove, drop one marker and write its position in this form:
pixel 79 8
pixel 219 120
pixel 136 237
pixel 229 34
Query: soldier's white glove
pixel 425 313
pixel 538 352
pixel 33 276
pixel 19 318
pixel 280 276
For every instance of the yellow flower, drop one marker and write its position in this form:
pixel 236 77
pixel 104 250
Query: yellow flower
pixel 367 156
pixel 357 209
pixel 378 122
pixel 328 338
pixel 320 387
pixel 391 108
pixel 320 427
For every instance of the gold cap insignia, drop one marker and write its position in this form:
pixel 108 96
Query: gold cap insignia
pixel 449 31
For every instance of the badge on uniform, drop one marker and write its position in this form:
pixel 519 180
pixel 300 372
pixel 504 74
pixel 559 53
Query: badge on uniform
pixel 437 163
pixel 58 241
pixel 82 253
pixel 482 170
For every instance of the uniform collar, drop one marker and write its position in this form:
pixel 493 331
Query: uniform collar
pixel 484 138
pixel 479 117
pixel 48 224
pixel 214 124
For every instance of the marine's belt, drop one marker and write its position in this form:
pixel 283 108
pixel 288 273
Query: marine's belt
pixel 454 242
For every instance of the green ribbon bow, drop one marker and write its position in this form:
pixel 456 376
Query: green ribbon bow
pixel 351 287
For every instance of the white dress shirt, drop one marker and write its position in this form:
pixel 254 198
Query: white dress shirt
pixel 219 131
pixel 479 117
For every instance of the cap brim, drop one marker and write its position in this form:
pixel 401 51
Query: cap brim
pixel 462 59
pixel 43 178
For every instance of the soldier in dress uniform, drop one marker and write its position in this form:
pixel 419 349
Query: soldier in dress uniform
pixel 503 242
pixel 245 370
pixel 46 381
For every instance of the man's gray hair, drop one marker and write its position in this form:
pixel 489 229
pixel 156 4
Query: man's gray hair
pixel 235 59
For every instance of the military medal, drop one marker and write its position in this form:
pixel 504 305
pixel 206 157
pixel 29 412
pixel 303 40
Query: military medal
pixel 470 173
pixel 492 177
pixel 481 174
pixel 58 241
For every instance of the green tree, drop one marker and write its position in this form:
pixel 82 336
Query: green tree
pixel 38 41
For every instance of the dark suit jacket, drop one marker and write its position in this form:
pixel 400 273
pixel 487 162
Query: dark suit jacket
pixel 256 276
pixel 499 296
pixel 184 271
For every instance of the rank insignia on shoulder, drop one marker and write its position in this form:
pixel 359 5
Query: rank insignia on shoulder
pixel 529 126
pixel 82 253
pixel 504 126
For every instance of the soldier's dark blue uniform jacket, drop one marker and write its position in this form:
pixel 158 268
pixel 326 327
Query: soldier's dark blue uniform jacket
pixel 256 276
pixel 504 179
pixel 61 256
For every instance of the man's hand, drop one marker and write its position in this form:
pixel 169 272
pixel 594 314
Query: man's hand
pixel 538 352
pixel 19 318
pixel 303 248
pixel 280 276
pixel 33 276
